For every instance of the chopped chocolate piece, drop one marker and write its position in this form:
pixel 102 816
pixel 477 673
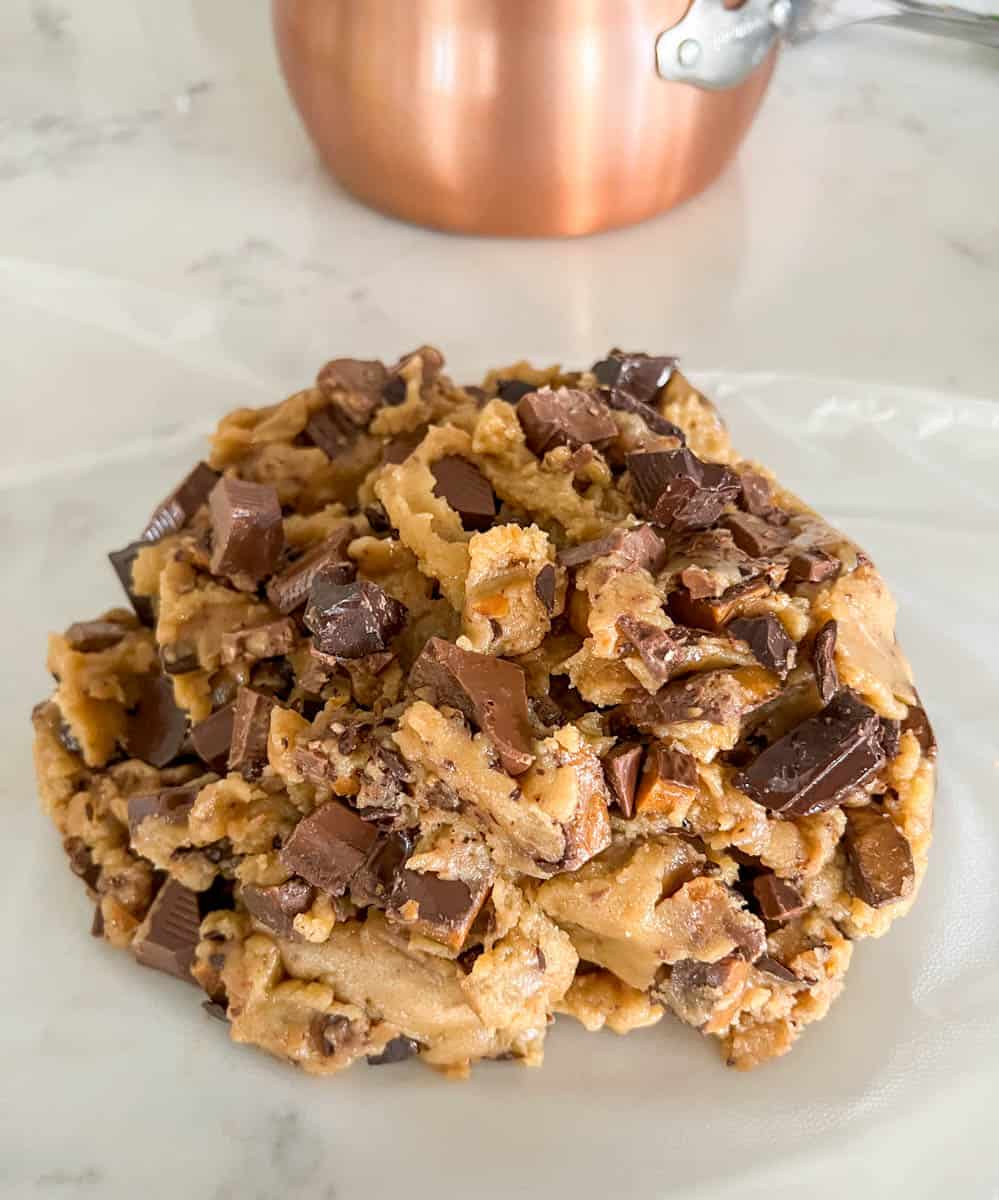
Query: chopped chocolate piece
pixel 715 613
pixel 879 857
pixel 377 517
pixel 290 589
pixel 156 728
pixel 329 847
pixel 669 777
pixel 180 658
pixel 755 536
pixel 81 861
pixel 768 640
pixel 466 489
pixel 638 547
pixel 122 561
pixel 354 619
pixel 355 387
pixel 639 375
pixel 565 417
pixel 247 533
pixel 263 641
pixel 68 740
pixel 397 1050
pixel 777 970
pixel 891 737
pixel 824 662
pixel 375 881
pixel 757 494
pixel 173 513
pixel 278 906
pixel 88 637
pixel 394 392
pixel 657 423
pixel 657 648
pixel 544 587
pixel 678 490
pixel 97 924
pixel 170 804
pixel 810 768
pixel 167 938
pixel 514 390
pixel 812 566
pixel 331 432
pixel 918 723
pixel 713 696
pixel 399 448
pixel 251 724
pixel 779 900
pixel 622 766
pixel 693 974
pixel 216 1009
pixel 330 1033
pixel 490 692
pixel 442 909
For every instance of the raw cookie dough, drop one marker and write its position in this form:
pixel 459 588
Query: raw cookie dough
pixel 439 710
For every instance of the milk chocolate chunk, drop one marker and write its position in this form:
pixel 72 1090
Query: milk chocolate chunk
pixel 247 532
pixel 122 561
pixel 638 547
pixel 352 620
pixel 879 858
pixel 490 692
pixel 171 804
pixel 757 496
pixel 261 641
pixel 81 861
pixel 713 696
pixel 90 637
pixel 714 613
pixel 824 662
pixel 167 938
pixel 544 587
pixel 622 767
pixel 179 658
pixel 676 489
pixel 212 738
pixel 331 432
pixel 669 777
pixel 918 723
pixel 277 906
pixel 442 909
pixel 251 723
pixel 810 768
pixel 354 386
pixel 755 536
pixel 329 847
pixel 659 649
pixel 290 590
pixel 639 375
pixel 769 642
pixel 375 882
pixel 466 489
pixel 514 390
pixel 564 417
pixel 397 1050
pixel 156 728
pixel 776 970
pixel 399 448
pixel 812 566
pixel 174 512
pixel 779 900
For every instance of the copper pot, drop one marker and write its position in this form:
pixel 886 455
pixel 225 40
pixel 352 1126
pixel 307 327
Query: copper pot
pixel 533 116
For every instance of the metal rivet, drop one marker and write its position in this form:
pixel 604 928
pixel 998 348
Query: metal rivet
pixel 780 13
pixel 689 51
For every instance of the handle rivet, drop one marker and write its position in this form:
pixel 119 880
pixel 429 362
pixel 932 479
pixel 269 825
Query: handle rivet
pixel 689 51
pixel 780 13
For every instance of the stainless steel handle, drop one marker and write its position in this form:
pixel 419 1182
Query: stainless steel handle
pixel 946 20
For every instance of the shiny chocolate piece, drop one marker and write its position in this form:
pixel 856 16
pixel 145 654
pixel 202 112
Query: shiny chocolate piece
pixel 397 1050
pixel 355 388
pixel 90 637
pixel 179 658
pixel 776 970
pixel 676 489
pixel 290 589
pixel 331 432
pixel 713 696
pixel 399 448
pixel 641 376
pixel 917 723
pixel 659 649
pixel 669 777
pixel 122 562
pixel 824 662
pixel 277 906
pixel 262 641
pixel 212 738
pixel 544 587
pixel 564 417
pixel 251 723
pixel 622 767
pixel 812 566
pixel 628 548
pixel 779 899
pixel 352 620
pixel 714 613
pixel 166 940
pixel 375 882
pixel 156 727
pixel 755 536
pixel 328 847
pixel 170 804
pixel 490 692
pixel 810 768
pixel 441 909
pixel 758 496
pixel 247 532
pixel 177 510
pixel 879 857
pixel 768 640
pixel 466 489
pixel 514 390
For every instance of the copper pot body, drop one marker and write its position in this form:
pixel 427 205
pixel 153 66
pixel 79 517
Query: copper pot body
pixel 517 117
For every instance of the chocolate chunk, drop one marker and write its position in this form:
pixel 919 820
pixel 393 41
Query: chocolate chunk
pixel 81 861
pixel 490 692
pixel 394 392
pixel 122 561
pixel 351 620
pixel 669 777
pixel 810 768
pixel 824 661
pixel 714 613
pixel 639 375
pixel 879 857
pixel 812 566
pixel 156 728
pixel 692 974
pixel 918 723
pixel 173 513
pixel 466 489
pixel 444 908
pixel 622 766
pixel 544 587
pixel 713 696
pixel 768 640
pixel 97 924
pixel 377 517
pixel 251 724
pixel 565 417
pixel 247 533
pixel 638 547
pixel 329 847
pixel 375 882
pixel 777 970
pixel 891 737
pixel 331 432
pixel 171 804
pixel 397 1050
pixel 757 495
pixel 778 899
pixel 212 737
pixel 167 938
pixel 754 536
pixel 355 387
pixel 514 390
pixel 179 658
pixel 659 649
pixel 278 906
pixel 262 641
pixel 90 637
pixel 216 1010
pixel 399 448
pixel 676 489
pixel 290 589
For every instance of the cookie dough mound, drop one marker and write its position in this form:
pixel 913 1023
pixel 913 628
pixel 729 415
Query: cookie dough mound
pixel 439 710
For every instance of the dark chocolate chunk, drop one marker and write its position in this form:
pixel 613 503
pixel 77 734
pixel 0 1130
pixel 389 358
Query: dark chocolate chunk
pixel 757 495
pixel 638 547
pixel 669 777
pixel 97 924
pixel 290 589
pixel 179 658
pixel 514 390
pixel 879 857
pixel 212 737
pixel 755 536
pixel 490 692
pixel 377 517
pixel 397 1050
pixel 167 938
pixel 216 1010
pixel 81 861
pixel 714 613
pixel 812 566
pixel 173 513
pixel 918 723
pixel 640 375
pixel 399 448
pixel 624 402
pixel 394 392
pixel 156 727
pixel 251 724
pixel 891 737
pixel 89 637
pixel 444 908
pixel 676 489
pixel 713 696
pixel 768 640
pixel 331 432
pixel 659 649
pixel 277 906
pixel 247 533
pixel 824 661
pixel 622 766
pixel 122 561
pixel 565 417
pixel 329 847
pixel 544 587
pixel 810 768
pixel 466 489
pixel 777 970
pixel 170 804
pixel 779 900
pixel 355 387
pixel 375 882
pixel 692 974
pixel 352 620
